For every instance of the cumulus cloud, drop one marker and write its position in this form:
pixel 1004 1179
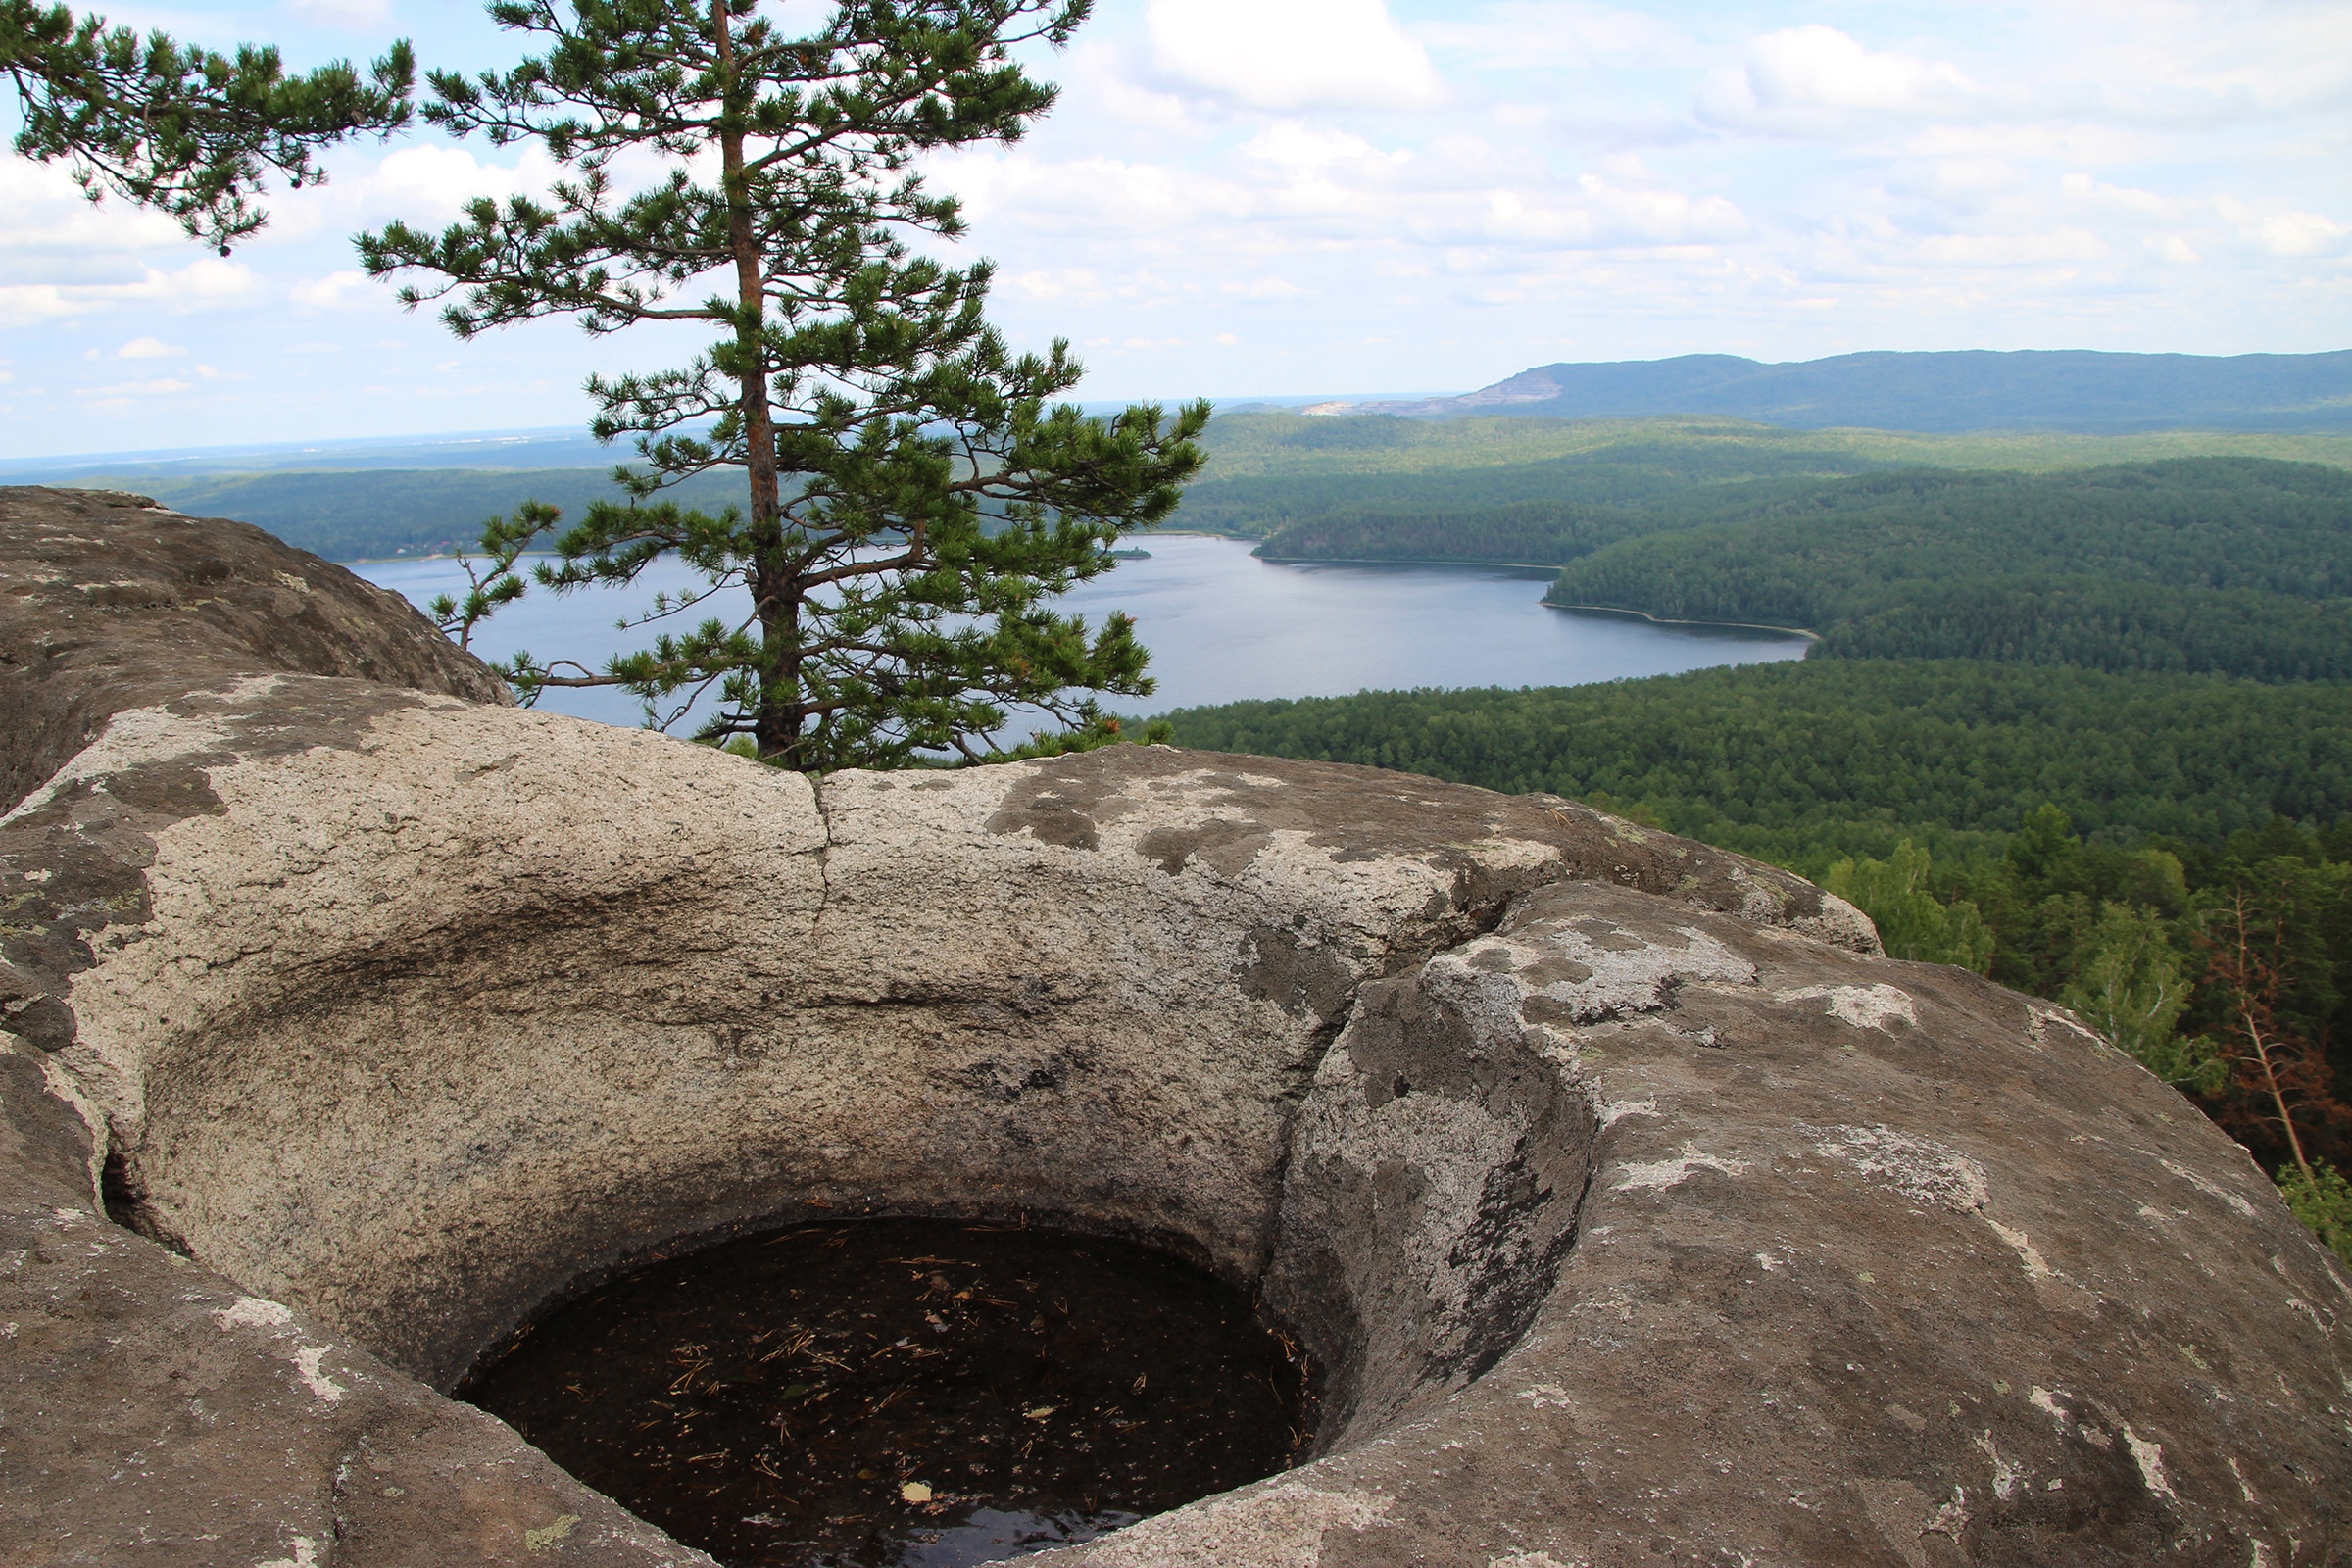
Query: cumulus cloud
pixel 49 217
pixel 1518 34
pixel 2299 235
pixel 1293 54
pixel 337 290
pixel 148 348
pixel 207 283
pixel 1815 80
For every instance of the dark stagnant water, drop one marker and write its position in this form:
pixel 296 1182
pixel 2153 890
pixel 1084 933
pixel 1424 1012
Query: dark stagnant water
pixel 916 1393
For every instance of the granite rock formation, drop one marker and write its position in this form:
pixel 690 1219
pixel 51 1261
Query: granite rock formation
pixel 1640 1207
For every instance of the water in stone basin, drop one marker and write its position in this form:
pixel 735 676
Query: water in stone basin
pixel 906 1393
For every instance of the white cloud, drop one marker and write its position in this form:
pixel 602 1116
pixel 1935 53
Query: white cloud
pixel 1293 144
pixel 1520 34
pixel 330 292
pixel 1601 214
pixel 1060 283
pixel 2121 198
pixel 353 14
pixel 148 348
pixel 2299 235
pixel 429 183
pixel 1293 54
pixel 2058 247
pixel 124 389
pixel 1817 81
pixel 207 283
pixel 48 215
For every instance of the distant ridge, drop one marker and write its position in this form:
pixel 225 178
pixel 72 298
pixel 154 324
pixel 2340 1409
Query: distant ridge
pixel 2071 389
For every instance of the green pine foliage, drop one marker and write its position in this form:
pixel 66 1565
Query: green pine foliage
pixel 913 499
pixel 2322 1200
pixel 181 128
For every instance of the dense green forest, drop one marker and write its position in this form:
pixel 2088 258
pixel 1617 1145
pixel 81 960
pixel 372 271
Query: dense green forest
pixel 2228 566
pixel 1807 763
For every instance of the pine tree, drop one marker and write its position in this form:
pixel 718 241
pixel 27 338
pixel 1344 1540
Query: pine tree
pixel 914 498
pixel 182 130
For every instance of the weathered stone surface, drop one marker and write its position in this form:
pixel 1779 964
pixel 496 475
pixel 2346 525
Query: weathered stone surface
pixel 110 601
pixel 1638 1207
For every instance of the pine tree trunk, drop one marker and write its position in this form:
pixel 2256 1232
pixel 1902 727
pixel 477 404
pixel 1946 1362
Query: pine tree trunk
pixel 777 713
pixel 2245 981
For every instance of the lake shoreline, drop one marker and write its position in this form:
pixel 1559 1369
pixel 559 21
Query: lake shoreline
pixel 1222 624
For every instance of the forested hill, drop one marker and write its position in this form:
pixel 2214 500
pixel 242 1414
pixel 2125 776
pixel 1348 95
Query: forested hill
pixel 2061 390
pixel 1543 492
pixel 2234 566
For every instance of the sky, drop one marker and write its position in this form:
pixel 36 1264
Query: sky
pixel 1239 198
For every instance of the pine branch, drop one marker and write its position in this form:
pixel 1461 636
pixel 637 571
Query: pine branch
pixel 183 129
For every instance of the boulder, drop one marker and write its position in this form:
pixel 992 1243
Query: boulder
pixel 1636 1206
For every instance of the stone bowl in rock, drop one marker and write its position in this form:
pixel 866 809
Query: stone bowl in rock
pixel 1638 1209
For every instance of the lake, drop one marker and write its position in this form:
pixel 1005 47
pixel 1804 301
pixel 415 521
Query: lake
pixel 1222 624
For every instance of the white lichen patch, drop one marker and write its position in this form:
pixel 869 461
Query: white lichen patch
pixel 2149 1456
pixel 1674 1171
pixel 252 1312
pixel 307 1363
pixel 2035 1265
pixel 304 1556
pixel 1874 1006
pixel 2040 1016
pixel 1923 1170
pixel 2006 1474
pixel 1586 970
pixel 1617 1110
pixel 141 735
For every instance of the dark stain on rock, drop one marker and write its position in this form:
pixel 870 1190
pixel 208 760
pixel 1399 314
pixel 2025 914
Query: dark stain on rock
pixel 1304 978
pixel 1047 818
pixel 1512 1251
pixel 1225 846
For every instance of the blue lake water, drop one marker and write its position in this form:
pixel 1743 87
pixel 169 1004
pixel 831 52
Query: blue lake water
pixel 1222 624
